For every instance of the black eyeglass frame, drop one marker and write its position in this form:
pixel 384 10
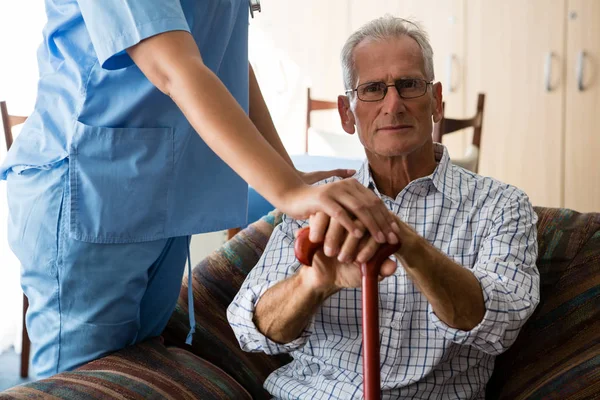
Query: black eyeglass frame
pixel 396 84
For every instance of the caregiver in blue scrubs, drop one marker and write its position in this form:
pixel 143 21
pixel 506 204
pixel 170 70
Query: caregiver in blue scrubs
pixel 140 138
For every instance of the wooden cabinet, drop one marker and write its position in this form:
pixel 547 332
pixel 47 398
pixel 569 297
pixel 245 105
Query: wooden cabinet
pixel 538 62
pixel 515 53
pixel 361 11
pixel 582 113
pixel 540 127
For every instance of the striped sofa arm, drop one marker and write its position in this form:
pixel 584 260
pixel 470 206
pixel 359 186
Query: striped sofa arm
pixel 557 353
pixel 144 371
pixel 216 281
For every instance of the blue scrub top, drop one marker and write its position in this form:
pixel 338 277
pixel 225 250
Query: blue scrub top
pixel 137 169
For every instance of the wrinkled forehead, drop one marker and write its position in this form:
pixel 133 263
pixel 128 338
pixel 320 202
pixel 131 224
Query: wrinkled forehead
pixel 388 59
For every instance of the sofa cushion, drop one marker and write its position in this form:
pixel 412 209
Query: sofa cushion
pixel 557 353
pixel 216 280
pixel 145 371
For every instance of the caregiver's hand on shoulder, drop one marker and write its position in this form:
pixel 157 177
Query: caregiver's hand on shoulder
pixel 344 201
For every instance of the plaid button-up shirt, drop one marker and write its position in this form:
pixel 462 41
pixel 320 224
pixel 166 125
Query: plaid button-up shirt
pixel 486 226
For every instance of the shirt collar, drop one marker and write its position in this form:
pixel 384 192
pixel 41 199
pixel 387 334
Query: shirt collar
pixel 442 178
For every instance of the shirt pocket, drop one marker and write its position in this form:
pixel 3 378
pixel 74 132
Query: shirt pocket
pixel 119 183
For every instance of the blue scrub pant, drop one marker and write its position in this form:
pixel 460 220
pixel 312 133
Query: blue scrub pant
pixel 85 299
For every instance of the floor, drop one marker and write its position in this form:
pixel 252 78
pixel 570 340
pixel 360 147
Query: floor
pixel 10 368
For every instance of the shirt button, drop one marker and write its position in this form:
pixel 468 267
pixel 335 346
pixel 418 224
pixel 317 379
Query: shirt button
pixel 396 324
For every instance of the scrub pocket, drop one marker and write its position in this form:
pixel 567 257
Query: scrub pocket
pixel 119 180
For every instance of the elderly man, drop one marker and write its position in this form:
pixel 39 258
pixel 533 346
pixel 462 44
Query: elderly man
pixel 456 293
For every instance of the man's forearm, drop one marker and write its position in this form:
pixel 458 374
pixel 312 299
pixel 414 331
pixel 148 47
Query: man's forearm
pixel 260 116
pixel 454 293
pixel 285 310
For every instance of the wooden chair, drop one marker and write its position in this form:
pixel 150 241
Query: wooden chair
pixel 8 122
pixel 448 125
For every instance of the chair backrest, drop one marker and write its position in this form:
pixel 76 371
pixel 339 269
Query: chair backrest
pixel 8 121
pixel 449 125
pixel 315 105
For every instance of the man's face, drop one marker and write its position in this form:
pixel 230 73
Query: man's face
pixel 393 126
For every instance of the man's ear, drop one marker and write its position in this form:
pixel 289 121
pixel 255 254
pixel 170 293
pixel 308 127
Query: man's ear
pixel 346 116
pixel 438 110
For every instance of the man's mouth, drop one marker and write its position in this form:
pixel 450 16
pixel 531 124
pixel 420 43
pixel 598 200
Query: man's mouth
pixel 392 128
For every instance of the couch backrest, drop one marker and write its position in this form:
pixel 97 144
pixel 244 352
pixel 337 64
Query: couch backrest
pixel 557 353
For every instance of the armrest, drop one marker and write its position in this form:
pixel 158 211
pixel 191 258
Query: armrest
pixel 146 370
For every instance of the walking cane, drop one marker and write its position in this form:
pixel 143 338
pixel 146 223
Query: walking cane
pixel 305 250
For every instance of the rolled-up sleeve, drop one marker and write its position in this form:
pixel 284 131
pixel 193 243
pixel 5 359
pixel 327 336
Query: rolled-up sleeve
pixel 116 25
pixel 277 263
pixel 506 271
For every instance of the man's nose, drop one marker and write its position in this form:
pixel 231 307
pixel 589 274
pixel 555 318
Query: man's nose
pixel 393 103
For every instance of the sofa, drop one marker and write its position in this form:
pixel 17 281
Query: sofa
pixel 556 356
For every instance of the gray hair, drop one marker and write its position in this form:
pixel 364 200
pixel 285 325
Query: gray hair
pixel 382 28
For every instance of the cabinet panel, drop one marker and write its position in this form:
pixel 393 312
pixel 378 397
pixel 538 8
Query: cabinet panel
pixel 362 11
pixel 512 46
pixel 582 127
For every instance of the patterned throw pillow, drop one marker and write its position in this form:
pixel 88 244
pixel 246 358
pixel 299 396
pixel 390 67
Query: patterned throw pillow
pixel 216 281
pixel 557 353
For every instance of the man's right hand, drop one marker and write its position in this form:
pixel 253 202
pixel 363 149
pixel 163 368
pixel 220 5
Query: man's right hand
pixel 327 275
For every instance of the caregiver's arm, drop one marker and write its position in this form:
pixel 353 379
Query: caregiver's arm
pixel 172 62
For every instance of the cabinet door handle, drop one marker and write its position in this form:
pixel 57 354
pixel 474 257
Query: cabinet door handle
pixel 449 68
pixel 579 69
pixel 548 72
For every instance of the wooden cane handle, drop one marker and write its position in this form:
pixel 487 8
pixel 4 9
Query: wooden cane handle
pixel 305 251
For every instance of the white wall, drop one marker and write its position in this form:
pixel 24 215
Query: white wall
pixel 21 25
pixel 293 46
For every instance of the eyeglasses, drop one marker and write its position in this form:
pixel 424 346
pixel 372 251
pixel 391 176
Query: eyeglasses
pixel 376 91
